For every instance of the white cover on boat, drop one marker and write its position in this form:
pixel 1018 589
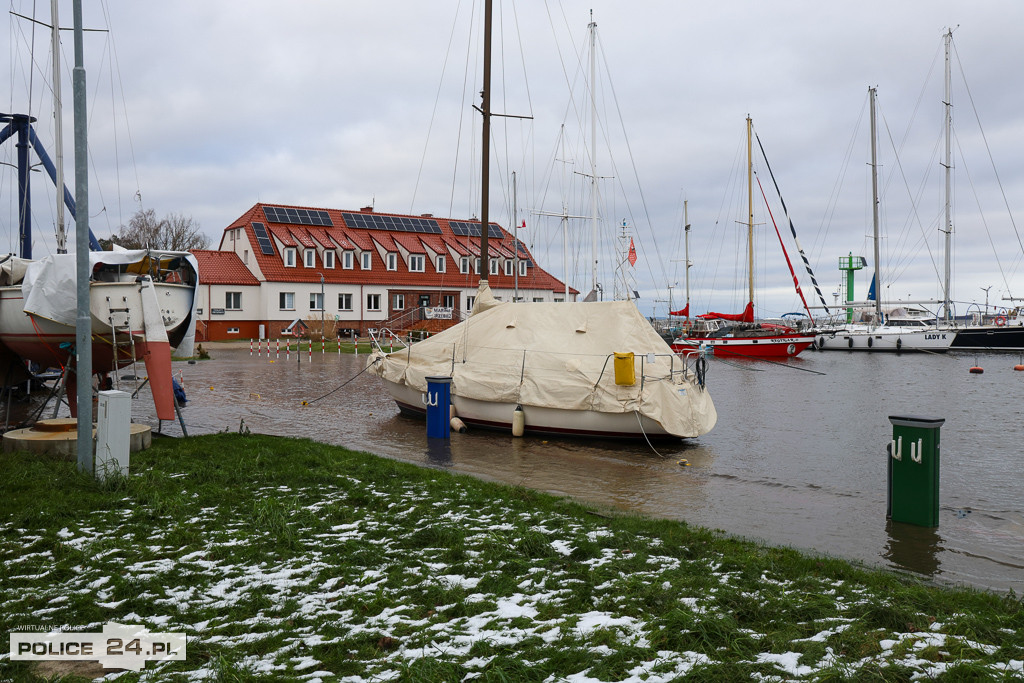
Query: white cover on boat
pixel 50 291
pixel 12 269
pixel 556 355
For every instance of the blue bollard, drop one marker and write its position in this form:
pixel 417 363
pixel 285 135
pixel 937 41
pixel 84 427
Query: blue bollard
pixel 438 401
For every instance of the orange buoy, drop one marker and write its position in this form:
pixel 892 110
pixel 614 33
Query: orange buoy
pixel 1018 367
pixel 976 370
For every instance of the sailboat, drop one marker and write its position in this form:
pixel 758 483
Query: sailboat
pixel 594 369
pixel 141 303
pixel 894 335
pixel 738 335
pixel 1003 331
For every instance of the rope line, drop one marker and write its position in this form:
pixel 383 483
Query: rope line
pixel 343 384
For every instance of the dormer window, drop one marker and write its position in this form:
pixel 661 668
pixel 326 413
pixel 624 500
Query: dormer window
pixel 289 257
pixel 522 268
pixel 309 258
pixel 464 265
pixel 348 260
pixel 494 266
pixel 392 261
pixel 508 266
pixel 328 258
pixel 416 263
pixel 441 265
pixel 365 260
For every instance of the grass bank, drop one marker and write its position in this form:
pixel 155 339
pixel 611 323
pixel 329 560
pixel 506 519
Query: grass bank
pixel 294 560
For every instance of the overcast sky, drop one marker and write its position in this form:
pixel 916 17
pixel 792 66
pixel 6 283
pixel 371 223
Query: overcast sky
pixel 205 108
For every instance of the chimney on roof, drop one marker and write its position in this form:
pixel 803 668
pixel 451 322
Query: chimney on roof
pixel 426 215
pixel 366 209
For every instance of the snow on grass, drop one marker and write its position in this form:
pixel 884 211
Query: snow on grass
pixel 360 582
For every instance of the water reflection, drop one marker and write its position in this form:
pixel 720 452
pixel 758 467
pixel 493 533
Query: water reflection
pixel 796 458
pixel 913 548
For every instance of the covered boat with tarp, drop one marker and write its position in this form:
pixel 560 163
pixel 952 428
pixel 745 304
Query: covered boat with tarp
pixel 558 362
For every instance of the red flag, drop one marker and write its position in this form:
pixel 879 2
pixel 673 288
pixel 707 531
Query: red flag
pixel 632 253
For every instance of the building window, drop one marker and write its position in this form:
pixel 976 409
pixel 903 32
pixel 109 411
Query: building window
pixel 559 300
pixel 449 301
pixel 328 258
pixel 316 301
pixel 309 258
pixel 476 266
pixel 392 262
pixel 232 330
pixel 464 265
pixel 470 300
pixel 233 301
pixel 399 303
pixel 245 256
pixel 365 262
pixel 373 302
pixel 509 264
pixel 424 301
pixel 494 266
pixel 522 268
pixel 538 299
pixel 289 257
pixel 416 263
pixel 287 301
pixel 344 302
pixel 347 260
pixel 442 264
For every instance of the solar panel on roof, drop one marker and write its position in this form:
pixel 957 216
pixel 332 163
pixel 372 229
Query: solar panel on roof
pixel 266 246
pixel 280 214
pixel 467 229
pixel 373 221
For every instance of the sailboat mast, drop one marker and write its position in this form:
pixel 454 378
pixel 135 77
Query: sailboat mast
pixel 686 242
pixel 593 152
pixel 58 128
pixel 485 151
pixel 750 205
pixel 873 93
pixel 948 164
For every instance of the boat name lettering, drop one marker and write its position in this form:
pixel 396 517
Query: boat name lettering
pixel 935 336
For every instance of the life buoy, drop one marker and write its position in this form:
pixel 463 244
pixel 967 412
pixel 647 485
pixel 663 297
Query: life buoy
pixel 1000 320
pixel 791 349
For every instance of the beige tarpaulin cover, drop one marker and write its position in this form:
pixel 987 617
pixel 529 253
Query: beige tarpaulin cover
pixel 557 355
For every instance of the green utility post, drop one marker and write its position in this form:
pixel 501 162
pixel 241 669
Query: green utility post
pixel 913 470
pixel 850 264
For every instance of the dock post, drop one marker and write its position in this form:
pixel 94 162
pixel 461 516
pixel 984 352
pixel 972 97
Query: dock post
pixel 913 470
pixel 438 401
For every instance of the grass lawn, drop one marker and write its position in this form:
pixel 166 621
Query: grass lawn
pixel 286 559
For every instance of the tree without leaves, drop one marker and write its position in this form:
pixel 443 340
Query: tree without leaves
pixel 175 232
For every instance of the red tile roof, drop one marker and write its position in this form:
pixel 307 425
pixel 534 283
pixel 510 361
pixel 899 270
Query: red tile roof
pixel 222 268
pixel 347 237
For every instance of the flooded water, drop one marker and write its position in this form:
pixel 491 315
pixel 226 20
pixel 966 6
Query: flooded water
pixel 797 458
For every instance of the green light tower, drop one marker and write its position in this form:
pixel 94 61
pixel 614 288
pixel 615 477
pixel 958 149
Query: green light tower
pixel 850 264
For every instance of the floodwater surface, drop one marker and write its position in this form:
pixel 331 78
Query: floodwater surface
pixel 797 458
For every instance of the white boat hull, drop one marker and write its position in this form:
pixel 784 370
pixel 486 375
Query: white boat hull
pixel 538 419
pixel 48 342
pixel 886 339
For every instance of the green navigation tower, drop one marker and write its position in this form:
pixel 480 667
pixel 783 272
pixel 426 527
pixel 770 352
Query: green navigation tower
pixel 850 264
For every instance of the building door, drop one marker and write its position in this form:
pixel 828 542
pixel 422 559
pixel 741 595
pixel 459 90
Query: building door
pixel 424 300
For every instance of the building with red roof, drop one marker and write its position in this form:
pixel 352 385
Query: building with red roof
pixel 355 271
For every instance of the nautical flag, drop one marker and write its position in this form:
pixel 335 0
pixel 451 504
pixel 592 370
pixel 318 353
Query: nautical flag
pixel 632 253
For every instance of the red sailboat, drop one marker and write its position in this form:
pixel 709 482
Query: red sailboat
pixel 738 335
